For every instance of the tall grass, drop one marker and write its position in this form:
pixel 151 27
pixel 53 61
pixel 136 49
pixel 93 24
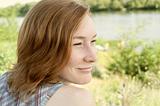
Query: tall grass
pixel 8 36
pixel 122 91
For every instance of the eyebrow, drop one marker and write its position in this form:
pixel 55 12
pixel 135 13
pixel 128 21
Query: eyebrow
pixel 83 37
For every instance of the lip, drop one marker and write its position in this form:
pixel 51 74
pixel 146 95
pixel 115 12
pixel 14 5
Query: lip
pixel 85 69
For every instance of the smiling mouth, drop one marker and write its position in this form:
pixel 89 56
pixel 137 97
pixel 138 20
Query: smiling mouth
pixel 87 69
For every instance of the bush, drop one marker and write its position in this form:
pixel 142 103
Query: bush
pixel 135 58
pixel 23 9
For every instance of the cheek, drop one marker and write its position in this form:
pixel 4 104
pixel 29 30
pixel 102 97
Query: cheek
pixel 76 58
pixel 74 76
pixel 77 78
pixel 66 73
pixel 71 74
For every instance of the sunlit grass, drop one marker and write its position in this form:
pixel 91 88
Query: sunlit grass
pixel 120 91
pixel 7 55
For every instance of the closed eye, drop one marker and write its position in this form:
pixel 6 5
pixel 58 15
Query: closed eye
pixel 77 44
pixel 93 41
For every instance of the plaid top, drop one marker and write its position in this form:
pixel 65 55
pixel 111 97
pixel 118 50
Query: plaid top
pixel 40 98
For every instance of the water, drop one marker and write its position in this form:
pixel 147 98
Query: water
pixel 114 25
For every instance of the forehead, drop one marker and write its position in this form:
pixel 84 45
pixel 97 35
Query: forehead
pixel 86 28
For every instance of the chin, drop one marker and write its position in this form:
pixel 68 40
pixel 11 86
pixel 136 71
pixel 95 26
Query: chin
pixel 84 81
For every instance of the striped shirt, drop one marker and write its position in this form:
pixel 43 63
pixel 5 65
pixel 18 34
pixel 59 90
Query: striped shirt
pixel 39 98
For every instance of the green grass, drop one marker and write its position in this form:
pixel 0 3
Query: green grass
pixel 8 36
pixel 7 55
pixel 121 91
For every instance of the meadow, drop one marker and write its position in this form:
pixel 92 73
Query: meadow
pixel 124 75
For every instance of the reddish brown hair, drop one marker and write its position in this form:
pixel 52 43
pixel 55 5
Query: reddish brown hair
pixel 44 44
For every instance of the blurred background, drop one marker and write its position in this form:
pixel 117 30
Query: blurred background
pixel 127 72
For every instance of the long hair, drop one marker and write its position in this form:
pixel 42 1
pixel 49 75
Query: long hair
pixel 44 44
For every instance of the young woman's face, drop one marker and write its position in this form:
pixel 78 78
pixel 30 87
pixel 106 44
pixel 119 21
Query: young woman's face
pixel 83 55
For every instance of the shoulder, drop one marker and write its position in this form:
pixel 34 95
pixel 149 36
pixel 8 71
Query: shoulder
pixel 71 96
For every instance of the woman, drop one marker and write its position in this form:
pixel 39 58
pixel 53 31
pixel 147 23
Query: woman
pixel 55 49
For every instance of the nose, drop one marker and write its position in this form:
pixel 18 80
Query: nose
pixel 90 55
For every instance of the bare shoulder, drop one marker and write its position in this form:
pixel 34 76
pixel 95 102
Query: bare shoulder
pixel 71 96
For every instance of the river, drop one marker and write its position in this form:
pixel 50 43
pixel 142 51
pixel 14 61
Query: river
pixel 110 26
pixel 142 25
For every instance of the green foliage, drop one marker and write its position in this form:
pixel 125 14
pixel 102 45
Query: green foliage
pixel 116 5
pixel 123 91
pixel 123 5
pixel 23 9
pixel 16 10
pixel 8 29
pixel 101 41
pixel 8 36
pixel 7 56
pixel 97 73
pixel 135 58
pixel 9 11
pixel 95 5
